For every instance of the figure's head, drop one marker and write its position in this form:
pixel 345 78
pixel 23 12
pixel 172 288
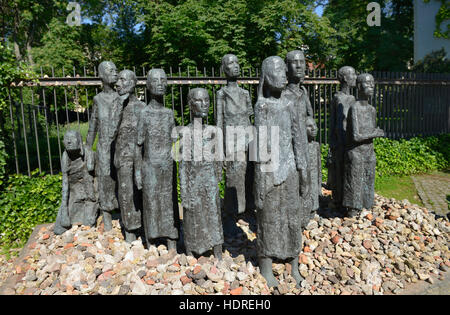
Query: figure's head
pixel 126 82
pixel 296 65
pixel 365 84
pixel 157 82
pixel 311 128
pixel 273 75
pixel 72 142
pixel 347 75
pixel 198 101
pixel 230 65
pixel 107 72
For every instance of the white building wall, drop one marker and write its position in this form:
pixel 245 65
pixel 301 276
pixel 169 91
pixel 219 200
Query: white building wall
pixel 424 26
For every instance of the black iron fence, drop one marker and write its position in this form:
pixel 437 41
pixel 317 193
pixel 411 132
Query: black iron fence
pixel 408 105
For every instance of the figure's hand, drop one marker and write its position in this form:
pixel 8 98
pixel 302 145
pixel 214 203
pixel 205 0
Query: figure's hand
pixel 138 179
pixel 380 132
pixel 304 184
pixel 259 201
pixel 90 158
pixel 124 97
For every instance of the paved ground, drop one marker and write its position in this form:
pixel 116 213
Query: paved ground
pixel 433 190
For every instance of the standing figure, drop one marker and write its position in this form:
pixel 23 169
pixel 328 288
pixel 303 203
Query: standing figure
pixel 279 212
pixel 315 165
pixel 199 182
pixel 105 120
pixel 157 173
pixel 360 159
pixel 234 109
pixel 298 96
pixel 79 203
pixel 130 200
pixel 340 105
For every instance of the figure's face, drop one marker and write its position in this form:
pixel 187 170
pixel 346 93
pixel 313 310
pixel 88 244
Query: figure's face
pixel 231 67
pixel 200 103
pixel 367 86
pixel 276 75
pixel 71 142
pixel 311 129
pixel 109 74
pixel 350 77
pixel 125 83
pixel 157 83
pixel 297 66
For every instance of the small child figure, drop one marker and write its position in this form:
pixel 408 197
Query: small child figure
pixel 79 202
pixel 315 165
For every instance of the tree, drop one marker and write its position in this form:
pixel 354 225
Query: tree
pixel 388 47
pixel 25 21
pixel 200 32
pixel 434 62
pixel 62 47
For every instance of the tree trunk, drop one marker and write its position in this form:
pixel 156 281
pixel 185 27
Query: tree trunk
pixel 17 49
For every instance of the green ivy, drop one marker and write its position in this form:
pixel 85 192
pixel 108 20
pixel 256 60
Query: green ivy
pixel 26 202
pixel 406 157
pixel 442 15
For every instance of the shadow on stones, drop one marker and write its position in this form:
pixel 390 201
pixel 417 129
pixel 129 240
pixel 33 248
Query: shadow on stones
pixel 239 243
pixel 326 212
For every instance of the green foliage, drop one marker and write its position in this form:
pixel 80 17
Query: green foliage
pixel 370 47
pixel 324 155
pixel 407 157
pixel 442 15
pixel 10 71
pixel 200 32
pixel 434 62
pixel 61 48
pixel 27 202
pixel 3 162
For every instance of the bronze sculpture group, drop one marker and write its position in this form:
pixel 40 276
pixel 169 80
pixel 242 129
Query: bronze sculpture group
pixel 136 172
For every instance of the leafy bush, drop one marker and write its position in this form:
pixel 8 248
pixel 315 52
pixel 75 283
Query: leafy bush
pixel 434 62
pixel 27 202
pixel 324 155
pixel 406 157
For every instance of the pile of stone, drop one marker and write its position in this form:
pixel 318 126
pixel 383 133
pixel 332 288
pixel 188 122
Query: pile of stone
pixel 381 251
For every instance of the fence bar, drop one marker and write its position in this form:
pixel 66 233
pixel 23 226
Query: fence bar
pixel 77 109
pixel 407 104
pixel 173 97
pixel 57 123
pixel 35 131
pixel 25 131
pixel 67 111
pixel 46 130
pixel 181 99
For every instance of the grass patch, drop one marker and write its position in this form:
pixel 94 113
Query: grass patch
pixel 399 188
pixel 11 251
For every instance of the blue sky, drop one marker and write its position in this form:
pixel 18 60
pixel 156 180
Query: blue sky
pixel 319 10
